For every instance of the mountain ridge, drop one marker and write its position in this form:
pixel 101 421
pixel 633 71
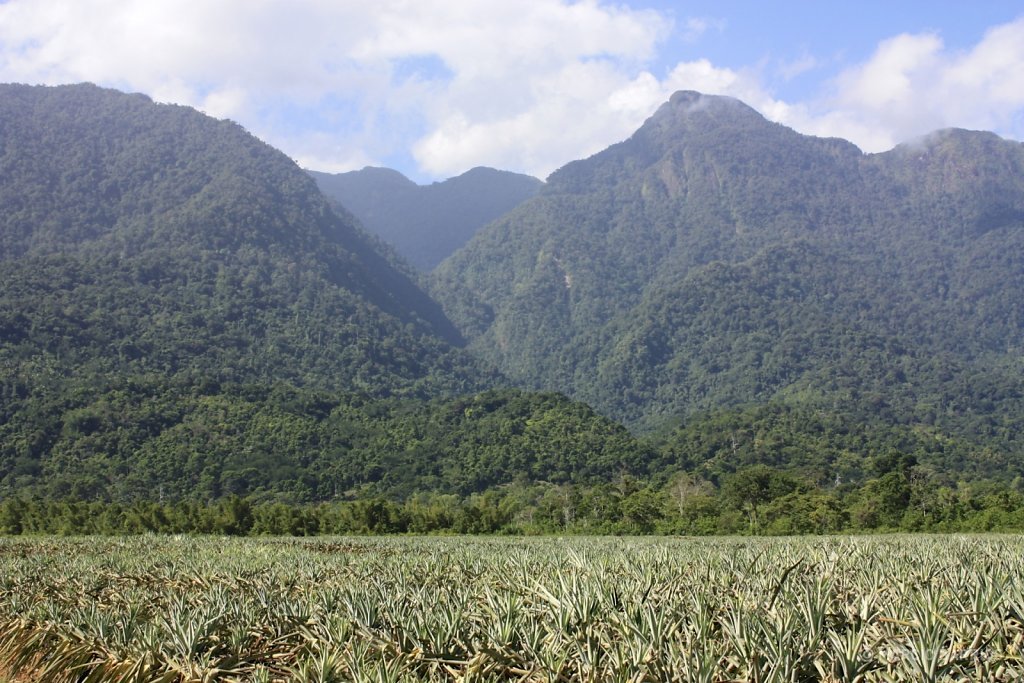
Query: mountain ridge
pixel 426 223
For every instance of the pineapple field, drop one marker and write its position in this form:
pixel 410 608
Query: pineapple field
pixel 178 608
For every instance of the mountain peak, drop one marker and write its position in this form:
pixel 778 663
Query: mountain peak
pixel 384 174
pixel 688 120
pixel 636 266
pixel 688 108
pixel 686 97
pixel 690 101
pixel 957 141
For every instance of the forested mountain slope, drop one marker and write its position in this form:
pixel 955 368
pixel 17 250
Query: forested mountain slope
pixel 148 237
pixel 715 259
pixel 427 223
pixel 146 245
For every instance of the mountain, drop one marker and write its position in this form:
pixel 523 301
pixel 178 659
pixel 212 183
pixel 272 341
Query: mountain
pixel 716 260
pixel 148 248
pixel 184 316
pixel 427 223
pixel 167 241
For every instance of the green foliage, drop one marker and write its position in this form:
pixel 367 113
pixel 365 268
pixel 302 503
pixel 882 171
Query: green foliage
pixel 826 447
pixel 146 441
pixel 755 500
pixel 819 341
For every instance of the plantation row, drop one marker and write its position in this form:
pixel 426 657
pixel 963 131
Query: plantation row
pixel 432 609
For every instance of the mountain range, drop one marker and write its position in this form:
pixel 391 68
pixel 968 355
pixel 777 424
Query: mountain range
pixel 185 312
pixel 182 311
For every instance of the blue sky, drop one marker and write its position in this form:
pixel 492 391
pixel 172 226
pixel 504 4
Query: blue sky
pixel 433 88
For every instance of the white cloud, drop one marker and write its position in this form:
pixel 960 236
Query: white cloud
pixel 575 112
pixel 797 67
pixel 695 27
pixel 912 85
pixel 339 66
pixel 532 84
pixel 526 86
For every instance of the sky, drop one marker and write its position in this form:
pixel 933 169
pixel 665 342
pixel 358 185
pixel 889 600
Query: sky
pixel 435 87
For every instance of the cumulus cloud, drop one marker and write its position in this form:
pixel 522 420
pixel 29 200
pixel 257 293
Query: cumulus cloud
pixel 913 84
pixel 531 83
pixel 451 84
pixel 526 86
pixel 495 83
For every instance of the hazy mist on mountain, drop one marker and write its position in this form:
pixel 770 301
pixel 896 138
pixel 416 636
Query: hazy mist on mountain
pixel 427 223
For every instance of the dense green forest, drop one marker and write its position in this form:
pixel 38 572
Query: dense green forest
pixel 150 255
pixel 715 259
pixel 426 223
pixel 496 461
pixel 251 460
pixel 801 338
pixel 139 439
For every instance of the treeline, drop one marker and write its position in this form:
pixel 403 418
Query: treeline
pixel 202 441
pixel 756 500
pixel 161 457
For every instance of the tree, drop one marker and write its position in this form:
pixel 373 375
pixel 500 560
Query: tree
pixel 683 487
pixel 234 516
pixel 751 487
